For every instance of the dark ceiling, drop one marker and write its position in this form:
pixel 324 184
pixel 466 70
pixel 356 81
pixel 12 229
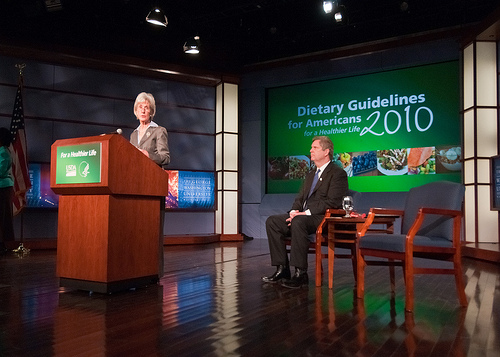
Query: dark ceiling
pixel 234 34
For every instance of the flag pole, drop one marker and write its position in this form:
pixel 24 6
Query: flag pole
pixel 20 79
pixel 20 151
pixel 20 82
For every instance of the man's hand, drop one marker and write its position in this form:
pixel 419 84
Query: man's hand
pixel 293 214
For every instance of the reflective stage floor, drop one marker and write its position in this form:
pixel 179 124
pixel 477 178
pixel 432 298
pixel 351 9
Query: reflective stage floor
pixel 211 302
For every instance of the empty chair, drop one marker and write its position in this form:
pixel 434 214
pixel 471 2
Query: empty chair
pixel 431 225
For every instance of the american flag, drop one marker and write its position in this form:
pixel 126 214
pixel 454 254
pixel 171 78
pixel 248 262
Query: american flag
pixel 19 151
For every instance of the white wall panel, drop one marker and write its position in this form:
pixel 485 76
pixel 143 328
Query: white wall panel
pixel 218 213
pixel 486 74
pixel 483 171
pixel 230 180
pixel 230 212
pixel 218 109
pixel 219 180
pixel 219 154
pixel 470 212
pixel 486 132
pixel 469 135
pixel 469 172
pixel 230 152
pixel 230 108
pixel 468 76
pixel 487 221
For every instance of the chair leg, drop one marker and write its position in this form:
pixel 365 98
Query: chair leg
pixel 459 282
pixel 392 278
pixel 331 257
pixel 410 341
pixel 354 262
pixel 360 272
pixel 319 266
pixel 409 289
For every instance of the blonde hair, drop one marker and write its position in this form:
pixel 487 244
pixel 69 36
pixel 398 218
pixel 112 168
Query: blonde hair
pixel 141 97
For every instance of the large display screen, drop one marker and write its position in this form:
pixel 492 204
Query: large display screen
pixel 391 130
pixel 190 190
pixel 40 194
pixel 187 190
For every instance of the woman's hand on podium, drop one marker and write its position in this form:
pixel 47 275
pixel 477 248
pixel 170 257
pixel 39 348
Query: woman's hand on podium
pixel 144 152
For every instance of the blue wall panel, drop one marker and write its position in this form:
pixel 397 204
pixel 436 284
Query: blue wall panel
pixel 63 102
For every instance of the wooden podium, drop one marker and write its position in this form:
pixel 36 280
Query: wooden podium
pixel 108 229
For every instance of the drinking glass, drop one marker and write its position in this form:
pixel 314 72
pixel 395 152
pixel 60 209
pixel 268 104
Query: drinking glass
pixel 348 206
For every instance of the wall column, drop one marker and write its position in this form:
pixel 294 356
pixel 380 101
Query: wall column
pixel 480 128
pixel 226 162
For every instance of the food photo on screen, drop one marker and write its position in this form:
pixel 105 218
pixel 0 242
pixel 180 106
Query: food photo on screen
pixel 344 160
pixel 298 167
pixel 449 158
pixel 288 167
pixel 392 162
pixel 422 161
pixel 277 168
pixel 364 163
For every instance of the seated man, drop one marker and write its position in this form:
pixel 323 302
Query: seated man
pixel 321 190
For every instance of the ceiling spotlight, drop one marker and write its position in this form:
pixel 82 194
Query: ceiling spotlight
pixel 340 16
pixel 157 17
pixel 192 45
pixel 328 6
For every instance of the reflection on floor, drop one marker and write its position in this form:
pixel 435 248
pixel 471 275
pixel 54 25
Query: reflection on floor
pixel 211 302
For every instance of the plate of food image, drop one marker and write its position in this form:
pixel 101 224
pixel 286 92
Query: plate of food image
pixel 344 160
pixel 392 162
pixel 298 167
pixel 450 158
pixel 421 161
pixel 277 168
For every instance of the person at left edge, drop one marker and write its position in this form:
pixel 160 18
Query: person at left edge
pixel 150 138
pixel 306 214
pixel 6 190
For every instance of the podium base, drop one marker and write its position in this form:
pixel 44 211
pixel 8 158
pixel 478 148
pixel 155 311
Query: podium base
pixel 110 287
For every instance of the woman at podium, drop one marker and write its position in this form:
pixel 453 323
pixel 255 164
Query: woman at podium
pixel 150 138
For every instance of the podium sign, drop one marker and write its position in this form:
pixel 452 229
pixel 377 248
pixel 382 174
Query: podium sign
pixel 78 163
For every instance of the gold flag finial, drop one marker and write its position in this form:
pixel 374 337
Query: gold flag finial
pixel 20 67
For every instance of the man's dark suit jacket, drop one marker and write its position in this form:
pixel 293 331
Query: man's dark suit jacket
pixel 155 142
pixel 328 193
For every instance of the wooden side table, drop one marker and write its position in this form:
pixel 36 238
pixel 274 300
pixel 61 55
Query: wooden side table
pixel 342 231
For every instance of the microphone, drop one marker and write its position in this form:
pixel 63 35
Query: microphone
pixel 117 131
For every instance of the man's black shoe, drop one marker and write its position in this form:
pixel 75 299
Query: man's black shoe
pixel 299 279
pixel 282 272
